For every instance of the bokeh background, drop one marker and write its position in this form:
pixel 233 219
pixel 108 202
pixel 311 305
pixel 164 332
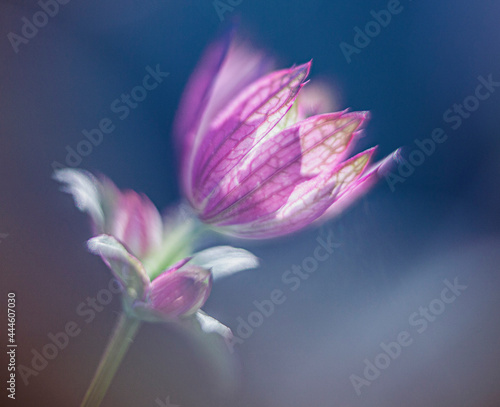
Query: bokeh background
pixel 393 249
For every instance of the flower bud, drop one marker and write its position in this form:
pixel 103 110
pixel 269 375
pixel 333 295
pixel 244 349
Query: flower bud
pixel 180 292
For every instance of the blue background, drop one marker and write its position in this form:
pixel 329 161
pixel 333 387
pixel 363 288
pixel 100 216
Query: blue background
pixel 393 248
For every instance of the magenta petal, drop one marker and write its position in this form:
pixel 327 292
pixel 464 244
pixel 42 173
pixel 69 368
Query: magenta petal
pixel 182 292
pixel 263 181
pixel 242 125
pixel 308 201
pixel 357 189
pixel 224 70
pixel 241 67
pixel 196 94
pixel 137 223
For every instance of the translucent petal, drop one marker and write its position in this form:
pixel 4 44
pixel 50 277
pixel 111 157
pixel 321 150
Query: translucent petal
pixel 86 193
pixel 225 260
pixel 266 178
pixel 242 125
pixel 308 201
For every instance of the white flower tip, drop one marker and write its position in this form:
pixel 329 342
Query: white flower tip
pixel 225 260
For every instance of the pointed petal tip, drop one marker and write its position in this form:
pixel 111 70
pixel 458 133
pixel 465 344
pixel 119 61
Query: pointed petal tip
pixel 365 114
pixel 371 150
pixel 369 153
pixel 302 70
pixel 396 154
pixel 388 163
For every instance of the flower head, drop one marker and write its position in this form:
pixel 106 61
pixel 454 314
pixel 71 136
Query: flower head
pixel 150 256
pixel 128 216
pixel 253 164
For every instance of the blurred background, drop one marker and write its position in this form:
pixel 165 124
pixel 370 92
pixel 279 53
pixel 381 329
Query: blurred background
pixel 394 249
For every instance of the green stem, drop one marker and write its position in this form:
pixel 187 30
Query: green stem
pixel 124 333
pixel 175 247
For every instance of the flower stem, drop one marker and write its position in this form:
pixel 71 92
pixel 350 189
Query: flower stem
pixel 124 333
pixel 175 247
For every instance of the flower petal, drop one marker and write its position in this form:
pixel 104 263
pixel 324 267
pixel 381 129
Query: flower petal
pixel 182 292
pixel 242 125
pixel 360 187
pixel 226 67
pixel 307 202
pixel 225 260
pixel 137 223
pixel 213 341
pixel 126 268
pixel 242 66
pixel 263 181
pixel 197 92
pixel 86 193
pixel 210 325
pixel 128 216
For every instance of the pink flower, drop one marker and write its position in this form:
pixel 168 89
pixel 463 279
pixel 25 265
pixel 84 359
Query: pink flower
pixel 150 256
pixel 179 291
pixel 252 163
pixel 128 216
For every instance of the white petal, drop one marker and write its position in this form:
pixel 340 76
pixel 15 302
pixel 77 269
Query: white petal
pixel 225 260
pixel 211 325
pixel 83 186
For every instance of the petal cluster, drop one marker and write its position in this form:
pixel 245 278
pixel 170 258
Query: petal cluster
pixel 177 292
pixel 253 163
pixel 127 215
pixel 131 236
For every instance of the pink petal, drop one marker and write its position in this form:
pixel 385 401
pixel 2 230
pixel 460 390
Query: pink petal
pixel 196 94
pixel 137 223
pixel 360 187
pixel 263 181
pixel 308 201
pixel 180 292
pixel 242 66
pixel 243 124
pixel 224 70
